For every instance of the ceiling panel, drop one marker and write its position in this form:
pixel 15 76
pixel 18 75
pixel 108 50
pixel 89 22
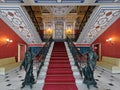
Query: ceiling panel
pixel 72 1
pixel 58 1
pixel 11 1
pixel 107 1
pixel 45 1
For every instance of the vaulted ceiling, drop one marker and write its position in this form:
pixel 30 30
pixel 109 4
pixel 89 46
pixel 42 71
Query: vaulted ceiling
pixel 27 17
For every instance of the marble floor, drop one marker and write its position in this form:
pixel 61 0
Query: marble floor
pixel 13 80
pixel 105 81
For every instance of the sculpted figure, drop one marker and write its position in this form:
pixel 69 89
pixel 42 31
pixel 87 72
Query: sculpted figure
pixel 28 67
pixel 88 70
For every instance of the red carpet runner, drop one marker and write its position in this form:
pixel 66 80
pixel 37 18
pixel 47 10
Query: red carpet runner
pixel 59 74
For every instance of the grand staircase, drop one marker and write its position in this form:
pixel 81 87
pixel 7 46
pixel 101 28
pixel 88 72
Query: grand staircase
pixel 59 75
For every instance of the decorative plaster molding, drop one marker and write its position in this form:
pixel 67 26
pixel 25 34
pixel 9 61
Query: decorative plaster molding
pixel 100 20
pixel 20 24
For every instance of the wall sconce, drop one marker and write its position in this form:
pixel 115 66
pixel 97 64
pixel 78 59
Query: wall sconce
pixel 69 31
pixel 8 41
pixel 110 41
pixel 49 31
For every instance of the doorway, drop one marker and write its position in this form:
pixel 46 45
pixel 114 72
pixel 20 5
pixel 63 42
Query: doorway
pixel 21 52
pixel 59 27
pixel 58 34
pixel 97 49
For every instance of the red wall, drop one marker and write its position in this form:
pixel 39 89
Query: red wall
pixel 12 48
pixel 76 33
pixel 112 32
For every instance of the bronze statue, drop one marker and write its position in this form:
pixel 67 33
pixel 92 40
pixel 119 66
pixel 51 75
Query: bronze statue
pixel 28 67
pixel 88 70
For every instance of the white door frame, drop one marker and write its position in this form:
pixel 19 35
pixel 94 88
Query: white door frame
pixel 19 50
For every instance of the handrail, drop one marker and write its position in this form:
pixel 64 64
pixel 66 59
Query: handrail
pixel 75 47
pixel 42 54
pixel 76 55
pixel 78 52
pixel 46 44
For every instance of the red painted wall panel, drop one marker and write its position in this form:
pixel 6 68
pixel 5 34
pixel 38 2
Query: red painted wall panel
pixel 112 32
pixel 12 48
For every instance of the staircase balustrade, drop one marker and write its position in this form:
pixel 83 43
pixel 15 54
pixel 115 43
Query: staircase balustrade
pixel 40 57
pixel 86 67
pixel 76 55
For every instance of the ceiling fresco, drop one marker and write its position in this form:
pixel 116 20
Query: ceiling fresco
pixel 20 23
pixel 100 20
